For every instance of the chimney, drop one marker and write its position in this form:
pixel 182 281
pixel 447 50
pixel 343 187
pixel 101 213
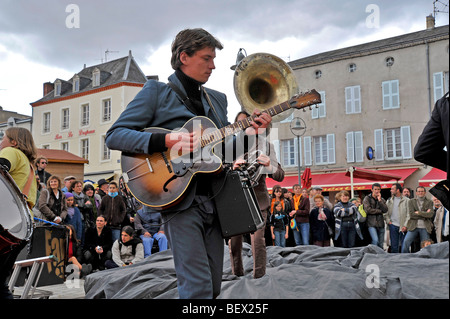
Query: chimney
pixel 48 87
pixel 430 22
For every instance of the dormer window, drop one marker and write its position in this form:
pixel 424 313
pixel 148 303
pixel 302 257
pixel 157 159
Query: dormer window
pixel 76 83
pixel 389 61
pixel 96 77
pixel 318 74
pixel 57 88
pixel 352 67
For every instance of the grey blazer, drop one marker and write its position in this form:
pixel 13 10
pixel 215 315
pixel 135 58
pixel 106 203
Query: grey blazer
pixel 157 105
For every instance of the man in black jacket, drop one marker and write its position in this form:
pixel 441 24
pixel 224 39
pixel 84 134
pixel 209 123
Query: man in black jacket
pixel 430 147
pixel 114 209
pixel 435 136
pixel 41 165
pixel 375 207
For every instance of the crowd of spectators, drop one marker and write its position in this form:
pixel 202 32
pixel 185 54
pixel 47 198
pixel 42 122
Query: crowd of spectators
pixel 106 227
pixel 398 224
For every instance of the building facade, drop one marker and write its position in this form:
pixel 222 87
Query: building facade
pixel 13 119
pixel 74 115
pixel 376 99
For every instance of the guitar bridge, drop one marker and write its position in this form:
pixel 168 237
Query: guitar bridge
pixel 166 161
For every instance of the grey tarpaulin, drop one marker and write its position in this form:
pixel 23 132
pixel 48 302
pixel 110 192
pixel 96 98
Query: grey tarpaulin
pixel 295 272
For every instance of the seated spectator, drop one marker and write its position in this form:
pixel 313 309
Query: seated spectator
pixel 73 215
pixel 127 250
pixel 321 220
pixel 98 244
pixel 148 225
pixel 74 254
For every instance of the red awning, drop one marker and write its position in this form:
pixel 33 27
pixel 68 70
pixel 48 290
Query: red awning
pixel 339 181
pixel 432 178
pixel 372 175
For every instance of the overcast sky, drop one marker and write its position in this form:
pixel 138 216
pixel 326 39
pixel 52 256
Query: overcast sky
pixel 41 40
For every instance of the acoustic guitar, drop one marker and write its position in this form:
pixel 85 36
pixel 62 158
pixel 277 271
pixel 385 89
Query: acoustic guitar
pixel 159 180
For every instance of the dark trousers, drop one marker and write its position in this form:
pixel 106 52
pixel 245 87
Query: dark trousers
pixel 196 241
pixel 97 261
pixel 258 251
pixel 348 234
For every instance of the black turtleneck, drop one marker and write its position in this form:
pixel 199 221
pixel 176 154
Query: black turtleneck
pixel 193 91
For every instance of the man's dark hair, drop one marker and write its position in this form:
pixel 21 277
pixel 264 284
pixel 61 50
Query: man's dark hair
pixel 398 187
pixel 191 41
pixel 376 185
pixel 114 183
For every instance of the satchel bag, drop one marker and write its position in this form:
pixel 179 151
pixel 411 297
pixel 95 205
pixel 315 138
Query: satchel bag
pixel 362 215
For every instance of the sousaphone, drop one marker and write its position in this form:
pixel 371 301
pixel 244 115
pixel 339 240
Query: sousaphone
pixel 262 80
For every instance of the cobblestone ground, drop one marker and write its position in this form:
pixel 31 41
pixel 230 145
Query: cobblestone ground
pixel 67 290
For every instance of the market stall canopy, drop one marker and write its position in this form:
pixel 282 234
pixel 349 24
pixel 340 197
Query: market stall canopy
pixel 372 175
pixel 432 177
pixel 331 182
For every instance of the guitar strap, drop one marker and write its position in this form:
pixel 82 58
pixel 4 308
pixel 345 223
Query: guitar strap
pixel 212 107
pixel 186 101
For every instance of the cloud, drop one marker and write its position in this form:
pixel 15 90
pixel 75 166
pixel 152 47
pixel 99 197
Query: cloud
pixel 39 32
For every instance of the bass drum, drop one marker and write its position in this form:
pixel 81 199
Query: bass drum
pixel 15 216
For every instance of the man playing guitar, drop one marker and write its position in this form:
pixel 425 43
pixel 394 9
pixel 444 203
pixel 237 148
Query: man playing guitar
pixel 192 224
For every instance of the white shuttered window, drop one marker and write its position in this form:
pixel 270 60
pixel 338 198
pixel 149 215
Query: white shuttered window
pixel 355 152
pixel 391 95
pixel 353 99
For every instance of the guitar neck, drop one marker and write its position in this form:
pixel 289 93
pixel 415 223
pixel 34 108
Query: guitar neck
pixel 241 125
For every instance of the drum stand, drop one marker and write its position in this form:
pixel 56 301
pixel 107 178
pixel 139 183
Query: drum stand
pixel 37 264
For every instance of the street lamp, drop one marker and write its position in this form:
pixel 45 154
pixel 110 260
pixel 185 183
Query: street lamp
pixel 298 128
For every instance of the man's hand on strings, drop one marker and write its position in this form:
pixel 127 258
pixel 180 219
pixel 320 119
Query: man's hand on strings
pixel 183 142
pixel 259 124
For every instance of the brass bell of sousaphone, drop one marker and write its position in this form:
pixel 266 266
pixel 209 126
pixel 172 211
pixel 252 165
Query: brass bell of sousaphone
pixel 262 80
